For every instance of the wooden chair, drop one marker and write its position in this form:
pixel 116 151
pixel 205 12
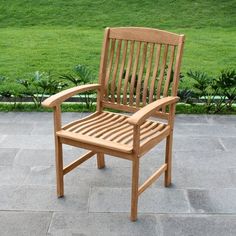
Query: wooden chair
pixel 139 73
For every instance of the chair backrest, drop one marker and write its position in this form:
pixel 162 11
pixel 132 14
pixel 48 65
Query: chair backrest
pixel 139 66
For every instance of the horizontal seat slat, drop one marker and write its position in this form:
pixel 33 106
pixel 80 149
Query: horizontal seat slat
pixel 94 141
pixel 110 130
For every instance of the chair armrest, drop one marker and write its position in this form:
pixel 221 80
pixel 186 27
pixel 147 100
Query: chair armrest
pixel 140 116
pixel 60 97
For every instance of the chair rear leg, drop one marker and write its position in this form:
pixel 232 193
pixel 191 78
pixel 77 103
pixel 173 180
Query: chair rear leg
pixel 168 159
pixel 134 194
pixel 100 160
pixel 59 167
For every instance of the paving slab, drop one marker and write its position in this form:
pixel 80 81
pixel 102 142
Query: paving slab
pixel 213 201
pixel 213 130
pixel 16 128
pixel 102 224
pixel 7 156
pixel 24 223
pixel 229 143
pixel 191 119
pixel 46 157
pixel 197 225
pixel 13 175
pixel 221 119
pixel 151 201
pixel 210 159
pixel 43 198
pixel 200 201
pixel 207 178
pixel 10 117
pixel 108 177
pixel 196 144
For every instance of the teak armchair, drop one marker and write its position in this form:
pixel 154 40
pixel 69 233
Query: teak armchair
pixel 139 73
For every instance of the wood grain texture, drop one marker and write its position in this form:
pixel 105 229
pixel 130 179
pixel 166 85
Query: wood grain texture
pixel 145 35
pixel 136 69
pixel 57 99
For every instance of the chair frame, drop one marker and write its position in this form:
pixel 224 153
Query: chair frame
pixel 136 120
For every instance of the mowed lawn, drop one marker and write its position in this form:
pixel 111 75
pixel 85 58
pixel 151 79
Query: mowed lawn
pixel 54 36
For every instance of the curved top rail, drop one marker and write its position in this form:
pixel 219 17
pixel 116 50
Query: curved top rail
pixel 146 35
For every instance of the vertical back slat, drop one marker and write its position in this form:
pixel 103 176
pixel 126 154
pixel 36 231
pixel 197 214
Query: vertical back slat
pixel 102 70
pixel 109 66
pixel 154 76
pixel 177 65
pixel 162 73
pixel 121 70
pixel 113 82
pixel 168 76
pixel 133 79
pixel 146 80
pixel 128 72
pixel 140 75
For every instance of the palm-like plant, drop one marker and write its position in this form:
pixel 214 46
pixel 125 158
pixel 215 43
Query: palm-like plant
pixel 40 84
pixel 81 75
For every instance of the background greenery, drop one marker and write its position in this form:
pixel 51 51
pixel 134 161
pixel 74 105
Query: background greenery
pixel 55 35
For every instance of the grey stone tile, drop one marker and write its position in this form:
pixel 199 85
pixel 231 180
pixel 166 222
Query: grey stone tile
pixel 2 137
pixel 43 198
pixel 42 157
pixel 41 175
pixel 229 143
pixel 28 142
pixel 43 129
pixel 8 117
pixel 221 119
pixel 198 225
pixel 34 157
pixel 152 201
pixel 7 156
pixel 16 128
pixel 190 119
pixel 211 159
pixel 232 173
pixel 24 223
pixel 34 117
pixel 196 130
pixel 109 177
pixel 186 178
pixel 7 193
pixel 13 175
pixel 102 224
pixel 182 143
pixel 213 201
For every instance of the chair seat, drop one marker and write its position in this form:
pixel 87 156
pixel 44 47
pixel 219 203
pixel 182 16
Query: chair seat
pixel 110 130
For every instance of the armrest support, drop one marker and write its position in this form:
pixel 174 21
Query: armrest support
pixel 57 99
pixel 140 116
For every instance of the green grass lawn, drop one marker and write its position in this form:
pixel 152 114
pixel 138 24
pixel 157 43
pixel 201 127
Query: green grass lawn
pixel 55 35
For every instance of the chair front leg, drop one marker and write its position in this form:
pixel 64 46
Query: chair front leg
pixel 59 167
pixel 134 193
pixel 100 160
pixel 58 152
pixel 168 159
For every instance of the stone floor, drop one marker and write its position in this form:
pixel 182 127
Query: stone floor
pixel 201 200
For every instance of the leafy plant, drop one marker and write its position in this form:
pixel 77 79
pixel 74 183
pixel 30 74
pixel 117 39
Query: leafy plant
pixel 225 85
pixel 186 95
pixel 216 93
pixel 40 84
pixel 203 88
pixel 81 75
